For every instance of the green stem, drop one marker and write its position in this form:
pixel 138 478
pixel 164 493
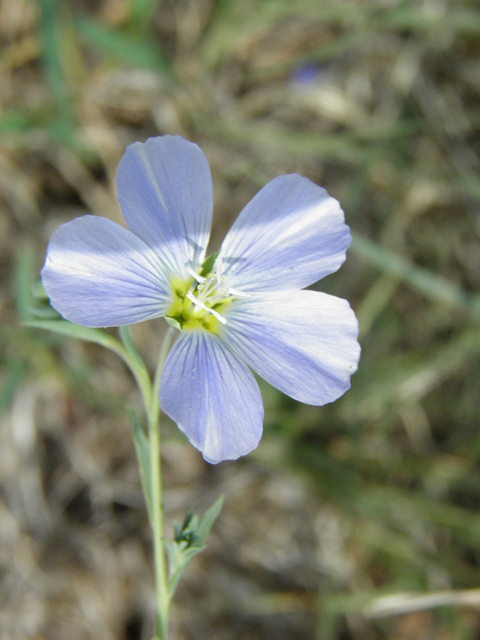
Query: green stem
pixel 132 358
pixel 161 577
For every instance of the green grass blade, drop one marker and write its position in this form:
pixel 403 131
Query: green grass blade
pixel 426 282
pixel 133 50
pixel 51 23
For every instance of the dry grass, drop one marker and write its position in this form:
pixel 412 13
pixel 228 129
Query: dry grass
pixel 379 102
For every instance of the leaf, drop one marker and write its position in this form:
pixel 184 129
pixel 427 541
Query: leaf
pixel 14 374
pixel 142 448
pixel 429 284
pixel 53 21
pixel 23 278
pixel 16 122
pixel 66 328
pixel 208 519
pixel 104 339
pixel 38 291
pixel 134 51
pixel 142 13
pixel 44 312
pixel 189 541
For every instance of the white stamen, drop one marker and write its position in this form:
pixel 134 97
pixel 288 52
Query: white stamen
pixel 199 303
pixel 218 316
pixel 196 275
pixel 211 290
pixel 238 294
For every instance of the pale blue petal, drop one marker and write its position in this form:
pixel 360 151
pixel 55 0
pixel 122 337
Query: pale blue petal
pixel 212 396
pixel 289 236
pixel 302 342
pixel 164 189
pixel 99 274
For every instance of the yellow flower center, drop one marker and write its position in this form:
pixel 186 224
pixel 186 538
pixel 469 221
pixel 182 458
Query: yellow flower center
pixel 200 301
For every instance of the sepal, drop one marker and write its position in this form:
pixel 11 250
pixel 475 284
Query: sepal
pixel 173 323
pixel 208 263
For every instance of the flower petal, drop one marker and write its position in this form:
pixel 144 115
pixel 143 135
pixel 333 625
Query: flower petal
pixel 99 274
pixel 289 236
pixel 302 342
pixel 164 189
pixel 212 396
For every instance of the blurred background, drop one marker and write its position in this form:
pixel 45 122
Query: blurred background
pixel 341 506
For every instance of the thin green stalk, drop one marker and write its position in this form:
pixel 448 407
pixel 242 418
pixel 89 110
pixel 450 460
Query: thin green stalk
pixel 128 353
pixel 161 577
pixel 98 336
pixel 136 366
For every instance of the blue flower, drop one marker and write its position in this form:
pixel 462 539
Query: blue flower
pixel 245 308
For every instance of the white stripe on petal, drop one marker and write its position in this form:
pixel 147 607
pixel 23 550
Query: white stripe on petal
pixel 99 274
pixel 289 236
pixel 212 396
pixel 302 342
pixel 164 189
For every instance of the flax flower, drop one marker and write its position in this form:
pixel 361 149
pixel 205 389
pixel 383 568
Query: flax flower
pixel 245 308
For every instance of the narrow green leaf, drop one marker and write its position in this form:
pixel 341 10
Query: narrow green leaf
pixel 129 345
pixel 142 448
pixel 132 50
pixel 43 312
pixel 97 336
pixel 38 290
pixel 104 339
pixel 39 307
pixel 142 12
pixel 23 278
pixel 189 541
pixel 208 519
pixel 52 17
pixel 268 140
pixel 178 563
pixel 427 283
pixel 15 374
pixel 16 122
